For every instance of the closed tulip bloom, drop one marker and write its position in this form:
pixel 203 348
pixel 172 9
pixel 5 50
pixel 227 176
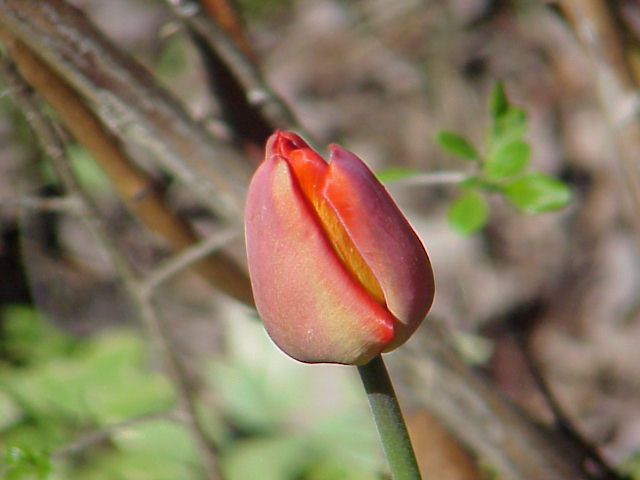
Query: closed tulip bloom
pixel 338 274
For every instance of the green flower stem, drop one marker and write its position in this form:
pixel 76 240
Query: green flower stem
pixel 389 420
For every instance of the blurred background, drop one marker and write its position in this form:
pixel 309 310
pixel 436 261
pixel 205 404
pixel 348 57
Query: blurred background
pixel 528 302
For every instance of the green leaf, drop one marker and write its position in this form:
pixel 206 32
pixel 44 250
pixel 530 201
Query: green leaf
pixel 475 349
pixel 25 463
pixel 498 101
pixel 149 463
pixel 480 184
pixel 509 159
pixel 173 57
pixel 158 438
pixel 87 171
pixel 509 126
pixel 249 398
pixel 394 174
pixel 277 457
pixel 631 466
pixel 468 213
pixel 537 192
pixel 472 182
pixel 507 122
pixel 29 338
pixel 10 411
pixel 105 380
pixel 457 145
pixel 349 439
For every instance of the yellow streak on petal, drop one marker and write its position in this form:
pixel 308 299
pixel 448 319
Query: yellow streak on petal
pixel 310 172
pixel 346 250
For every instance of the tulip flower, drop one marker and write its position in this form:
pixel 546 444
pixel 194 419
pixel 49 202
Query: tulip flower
pixel 338 274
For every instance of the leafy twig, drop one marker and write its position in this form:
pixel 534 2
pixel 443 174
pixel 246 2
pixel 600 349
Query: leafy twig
pixel 500 167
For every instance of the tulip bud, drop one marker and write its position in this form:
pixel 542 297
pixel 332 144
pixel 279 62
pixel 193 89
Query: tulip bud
pixel 338 274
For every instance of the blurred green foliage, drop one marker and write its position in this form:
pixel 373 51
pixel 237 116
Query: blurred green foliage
pixel 94 408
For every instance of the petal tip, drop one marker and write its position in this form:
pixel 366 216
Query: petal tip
pixel 283 142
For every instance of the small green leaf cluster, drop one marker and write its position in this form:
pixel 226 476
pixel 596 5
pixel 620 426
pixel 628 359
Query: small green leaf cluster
pixel 501 168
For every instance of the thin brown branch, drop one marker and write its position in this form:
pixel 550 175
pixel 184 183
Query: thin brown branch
pixel 127 99
pixel 54 147
pixel 133 185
